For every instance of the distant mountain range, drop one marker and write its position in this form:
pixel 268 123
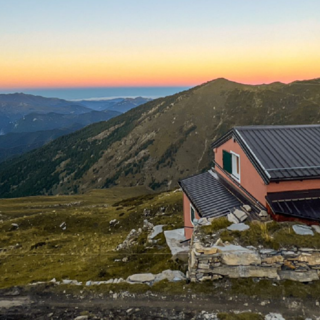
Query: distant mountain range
pixel 158 142
pixel 49 118
pixel 118 104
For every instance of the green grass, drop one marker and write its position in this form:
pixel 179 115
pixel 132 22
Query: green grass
pixel 85 250
pixel 216 225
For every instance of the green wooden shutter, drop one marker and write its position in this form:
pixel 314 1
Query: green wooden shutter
pixel 227 161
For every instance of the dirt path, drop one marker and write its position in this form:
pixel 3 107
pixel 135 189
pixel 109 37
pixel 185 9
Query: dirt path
pixel 145 306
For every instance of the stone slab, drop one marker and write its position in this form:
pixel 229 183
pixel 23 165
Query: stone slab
pixel 174 238
pixel 231 218
pixel 156 230
pixel 141 277
pixel 240 215
pixel 310 259
pixel 299 276
pixel 240 258
pixel 302 230
pixel 238 227
pixel 246 272
pixel 316 228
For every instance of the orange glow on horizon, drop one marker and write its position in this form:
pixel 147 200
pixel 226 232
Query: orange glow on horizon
pixel 74 71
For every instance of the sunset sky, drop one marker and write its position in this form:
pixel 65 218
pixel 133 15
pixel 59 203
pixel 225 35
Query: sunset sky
pixel 93 43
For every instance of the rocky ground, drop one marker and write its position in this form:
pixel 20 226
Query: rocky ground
pixel 19 303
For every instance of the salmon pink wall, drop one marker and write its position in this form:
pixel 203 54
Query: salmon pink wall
pixel 252 181
pixel 187 217
pixel 249 177
pixel 293 185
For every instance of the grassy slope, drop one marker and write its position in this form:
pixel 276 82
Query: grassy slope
pixel 159 142
pixel 84 251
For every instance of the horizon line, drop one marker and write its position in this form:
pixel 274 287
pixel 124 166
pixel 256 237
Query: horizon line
pixel 151 86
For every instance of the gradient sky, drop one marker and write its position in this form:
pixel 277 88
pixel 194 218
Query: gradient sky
pixel 79 43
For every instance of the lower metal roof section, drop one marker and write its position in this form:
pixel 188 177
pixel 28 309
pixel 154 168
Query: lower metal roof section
pixel 299 204
pixel 209 197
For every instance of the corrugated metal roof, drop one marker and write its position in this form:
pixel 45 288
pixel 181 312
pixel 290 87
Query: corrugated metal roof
pixel 209 197
pixel 280 152
pixel 299 204
pixel 285 151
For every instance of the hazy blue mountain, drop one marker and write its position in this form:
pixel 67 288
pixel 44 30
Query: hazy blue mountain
pixel 49 121
pixel 14 144
pixel 16 105
pixel 118 104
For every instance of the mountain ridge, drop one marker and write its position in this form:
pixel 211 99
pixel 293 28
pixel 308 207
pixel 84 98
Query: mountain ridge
pixel 159 142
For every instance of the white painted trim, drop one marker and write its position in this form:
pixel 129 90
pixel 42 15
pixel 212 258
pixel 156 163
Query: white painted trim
pixel 194 210
pixel 266 172
pixel 238 178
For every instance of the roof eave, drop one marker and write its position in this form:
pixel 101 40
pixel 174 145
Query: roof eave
pixel 295 178
pixel 187 194
pixel 217 143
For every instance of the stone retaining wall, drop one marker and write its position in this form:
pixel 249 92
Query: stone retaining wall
pixel 298 264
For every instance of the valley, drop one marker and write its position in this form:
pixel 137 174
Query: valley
pixel 34 121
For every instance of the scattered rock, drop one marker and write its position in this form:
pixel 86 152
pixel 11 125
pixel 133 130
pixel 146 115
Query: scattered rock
pixel 130 239
pixel 66 281
pixel 231 218
pixel 114 222
pixel 263 214
pixel 81 318
pixel 274 316
pixel 129 311
pixel 316 228
pixel 204 222
pixel 147 226
pixel 15 226
pixel 146 212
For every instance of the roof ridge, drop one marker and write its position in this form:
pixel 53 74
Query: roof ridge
pixel 296 126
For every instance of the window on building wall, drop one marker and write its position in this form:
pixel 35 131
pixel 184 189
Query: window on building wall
pixel 231 163
pixel 192 213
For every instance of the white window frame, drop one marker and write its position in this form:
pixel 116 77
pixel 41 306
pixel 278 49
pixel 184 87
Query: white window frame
pixel 194 210
pixel 234 165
